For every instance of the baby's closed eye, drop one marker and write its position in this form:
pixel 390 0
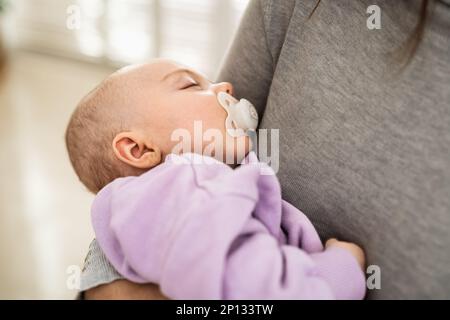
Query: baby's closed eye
pixel 189 84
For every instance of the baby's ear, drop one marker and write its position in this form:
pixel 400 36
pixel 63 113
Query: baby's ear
pixel 136 150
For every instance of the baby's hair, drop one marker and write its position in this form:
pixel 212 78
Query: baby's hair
pixel 97 119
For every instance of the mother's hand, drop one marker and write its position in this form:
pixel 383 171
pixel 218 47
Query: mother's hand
pixel 125 290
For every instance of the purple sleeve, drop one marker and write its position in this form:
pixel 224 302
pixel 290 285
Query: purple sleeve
pixel 258 266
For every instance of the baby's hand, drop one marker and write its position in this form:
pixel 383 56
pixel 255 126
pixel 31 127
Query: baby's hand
pixel 354 250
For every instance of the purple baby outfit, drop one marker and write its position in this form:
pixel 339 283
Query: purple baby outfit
pixel 202 230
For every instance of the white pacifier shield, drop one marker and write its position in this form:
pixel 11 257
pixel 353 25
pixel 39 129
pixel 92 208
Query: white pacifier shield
pixel 241 115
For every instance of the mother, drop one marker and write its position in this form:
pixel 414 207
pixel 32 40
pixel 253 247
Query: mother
pixel 364 119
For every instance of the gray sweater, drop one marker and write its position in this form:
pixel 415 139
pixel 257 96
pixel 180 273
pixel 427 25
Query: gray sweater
pixel 364 145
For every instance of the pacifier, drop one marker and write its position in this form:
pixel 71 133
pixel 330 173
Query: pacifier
pixel 241 115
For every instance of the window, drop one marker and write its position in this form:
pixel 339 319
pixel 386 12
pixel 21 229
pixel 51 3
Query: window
pixel 193 32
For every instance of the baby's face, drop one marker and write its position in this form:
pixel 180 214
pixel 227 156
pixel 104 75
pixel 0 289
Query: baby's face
pixel 170 101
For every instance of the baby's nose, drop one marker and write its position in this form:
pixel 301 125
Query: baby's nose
pixel 224 87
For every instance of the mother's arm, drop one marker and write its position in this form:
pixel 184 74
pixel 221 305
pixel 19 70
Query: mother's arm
pixel 124 290
pixel 249 66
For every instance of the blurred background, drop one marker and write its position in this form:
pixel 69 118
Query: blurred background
pixel 52 52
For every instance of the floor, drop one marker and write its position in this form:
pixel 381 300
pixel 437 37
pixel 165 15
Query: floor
pixel 44 211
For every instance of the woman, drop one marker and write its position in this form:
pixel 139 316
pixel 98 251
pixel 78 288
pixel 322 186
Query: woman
pixel 364 119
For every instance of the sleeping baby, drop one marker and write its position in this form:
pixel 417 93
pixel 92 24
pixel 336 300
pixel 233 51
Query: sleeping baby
pixel 186 219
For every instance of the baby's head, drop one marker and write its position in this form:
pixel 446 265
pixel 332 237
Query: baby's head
pixel 126 125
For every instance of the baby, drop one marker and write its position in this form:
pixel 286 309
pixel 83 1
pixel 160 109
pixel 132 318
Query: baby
pixel 184 219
